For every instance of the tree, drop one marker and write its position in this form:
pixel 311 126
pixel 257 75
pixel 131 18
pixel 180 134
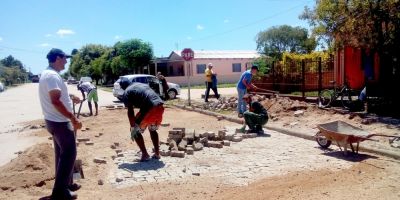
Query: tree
pixel 10 61
pixel 12 70
pixel 134 54
pixel 365 24
pixel 368 24
pixel 276 40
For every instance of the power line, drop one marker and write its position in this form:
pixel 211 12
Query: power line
pixel 246 25
pixel 19 49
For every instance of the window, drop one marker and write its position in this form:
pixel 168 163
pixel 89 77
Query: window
pixel 201 68
pixel 236 67
pixel 140 80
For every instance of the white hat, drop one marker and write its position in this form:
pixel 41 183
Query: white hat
pixel 210 64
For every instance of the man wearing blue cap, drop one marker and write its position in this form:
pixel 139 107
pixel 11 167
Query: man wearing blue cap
pixel 61 123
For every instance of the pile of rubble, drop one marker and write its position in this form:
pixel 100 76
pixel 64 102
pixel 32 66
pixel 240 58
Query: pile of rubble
pixel 275 105
pixel 183 141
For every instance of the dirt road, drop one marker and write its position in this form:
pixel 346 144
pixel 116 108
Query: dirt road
pixel 21 104
pixel 275 166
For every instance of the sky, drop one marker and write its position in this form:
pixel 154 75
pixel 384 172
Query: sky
pixel 30 28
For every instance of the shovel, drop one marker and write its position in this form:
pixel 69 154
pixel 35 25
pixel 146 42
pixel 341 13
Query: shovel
pixel 78 170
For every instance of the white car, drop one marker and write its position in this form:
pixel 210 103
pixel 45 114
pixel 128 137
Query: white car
pixel 85 79
pixel 1 87
pixel 152 81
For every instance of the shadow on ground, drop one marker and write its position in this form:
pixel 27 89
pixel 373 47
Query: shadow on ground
pixel 152 164
pixel 352 157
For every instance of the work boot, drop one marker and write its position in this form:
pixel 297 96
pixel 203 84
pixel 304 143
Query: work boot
pixel 259 130
pixel 74 187
pixel 64 195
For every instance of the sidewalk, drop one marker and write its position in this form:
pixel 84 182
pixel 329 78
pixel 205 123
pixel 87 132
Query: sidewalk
pixel 307 133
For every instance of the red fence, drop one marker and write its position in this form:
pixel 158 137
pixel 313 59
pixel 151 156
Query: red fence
pixel 307 75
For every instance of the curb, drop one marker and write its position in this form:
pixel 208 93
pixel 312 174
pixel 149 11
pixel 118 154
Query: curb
pixel 285 131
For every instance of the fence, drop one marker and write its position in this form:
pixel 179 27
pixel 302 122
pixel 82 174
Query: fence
pixel 303 76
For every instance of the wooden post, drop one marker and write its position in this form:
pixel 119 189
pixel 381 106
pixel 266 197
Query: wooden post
pixel 319 75
pixel 303 77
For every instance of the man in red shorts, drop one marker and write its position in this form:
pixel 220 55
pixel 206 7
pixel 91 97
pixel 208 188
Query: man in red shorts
pixel 151 109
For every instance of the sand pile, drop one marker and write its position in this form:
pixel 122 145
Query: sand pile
pixel 32 167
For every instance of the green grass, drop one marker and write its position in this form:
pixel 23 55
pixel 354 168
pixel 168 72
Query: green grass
pixel 107 89
pixel 308 94
pixel 203 86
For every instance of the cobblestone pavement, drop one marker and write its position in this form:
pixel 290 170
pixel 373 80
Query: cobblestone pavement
pixel 239 164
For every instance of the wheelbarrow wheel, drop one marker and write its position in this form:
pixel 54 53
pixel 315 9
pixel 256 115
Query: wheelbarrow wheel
pixel 322 140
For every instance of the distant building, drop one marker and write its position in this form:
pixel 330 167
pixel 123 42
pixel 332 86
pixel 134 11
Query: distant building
pixel 228 65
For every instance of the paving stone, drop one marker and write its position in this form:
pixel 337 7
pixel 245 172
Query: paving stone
pixel 181 129
pixel 173 146
pixel 211 135
pixel 198 146
pixel 165 124
pixel 179 154
pixel 99 160
pixel 215 144
pixel 298 113
pixel 203 140
pixel 189 135
pixel 182 145
pixel 237 139
pixel 227 143
pixel 222 133
pixel 190 151
pixel 229 136
pixel 83 139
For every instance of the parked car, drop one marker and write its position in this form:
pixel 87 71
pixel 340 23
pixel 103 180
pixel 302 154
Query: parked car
pixel 72 80
pixel 85 79
pixel 1 87
pixel 152 81
pixel 35 79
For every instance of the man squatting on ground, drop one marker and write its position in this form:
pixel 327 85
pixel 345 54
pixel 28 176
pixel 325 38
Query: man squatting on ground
pixel 91 92
pixel 61 123
pixel 256 116
pixel 151 109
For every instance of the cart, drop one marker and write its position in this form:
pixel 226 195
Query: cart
pixel 343 134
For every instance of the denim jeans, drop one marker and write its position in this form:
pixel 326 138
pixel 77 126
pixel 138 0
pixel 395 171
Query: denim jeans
pixel 241 108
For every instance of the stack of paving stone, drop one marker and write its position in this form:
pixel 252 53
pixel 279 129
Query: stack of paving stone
pixel 182 141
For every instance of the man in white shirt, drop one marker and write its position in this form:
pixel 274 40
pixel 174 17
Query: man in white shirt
pixel 61 123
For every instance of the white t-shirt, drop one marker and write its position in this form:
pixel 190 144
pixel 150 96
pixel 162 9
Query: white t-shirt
pixel 51 80
pixel 87 87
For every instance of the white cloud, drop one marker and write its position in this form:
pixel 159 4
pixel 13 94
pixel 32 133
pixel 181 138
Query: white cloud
pixel 62 32
pixel 199 27
pixel 226 21
pixel 1 39
pixel 44 44
pixel 189 38
pixel 117 37
pixel 48 35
